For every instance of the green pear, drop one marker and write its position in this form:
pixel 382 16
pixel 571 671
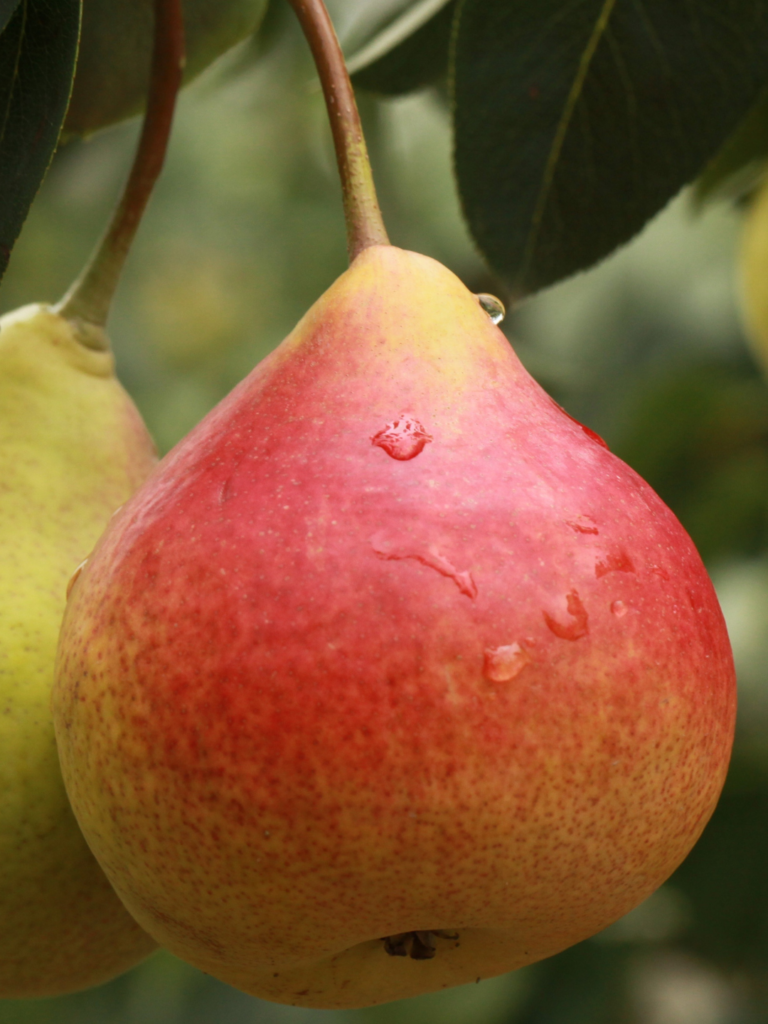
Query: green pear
pixel 116 45
pixel 73 448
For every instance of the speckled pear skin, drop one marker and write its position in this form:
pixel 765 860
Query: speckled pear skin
pixel 390 644
pixel 112 73
pixel 72 449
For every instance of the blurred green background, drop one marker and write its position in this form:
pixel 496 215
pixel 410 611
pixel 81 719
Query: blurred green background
pixel 244 233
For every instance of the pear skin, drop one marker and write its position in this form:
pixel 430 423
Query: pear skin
pixel 73 448
pixel 398 677
pixel 754 274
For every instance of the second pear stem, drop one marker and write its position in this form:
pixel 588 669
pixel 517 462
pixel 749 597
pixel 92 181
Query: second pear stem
pixel 365 226
pixel 90 297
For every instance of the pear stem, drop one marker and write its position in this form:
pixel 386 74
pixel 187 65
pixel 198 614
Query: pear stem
pixel 365 226
pixel 89 299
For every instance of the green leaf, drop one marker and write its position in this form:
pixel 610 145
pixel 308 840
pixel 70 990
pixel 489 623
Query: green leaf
pixel 37 59
pixel 577 120
pixel 113 66
pixel 399 62
pixel 740 164
pixel 7 7
pixel 381 24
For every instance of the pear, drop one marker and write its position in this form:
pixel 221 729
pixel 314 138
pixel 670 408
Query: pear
pixel 115 48
pixel 391 677
pixel 754 274
pixel 72 449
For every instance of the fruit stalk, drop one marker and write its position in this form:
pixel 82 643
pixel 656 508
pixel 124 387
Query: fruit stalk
pixel 88 300
pixel 365 226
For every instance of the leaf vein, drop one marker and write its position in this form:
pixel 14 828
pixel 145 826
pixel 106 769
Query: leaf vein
pixel 564 123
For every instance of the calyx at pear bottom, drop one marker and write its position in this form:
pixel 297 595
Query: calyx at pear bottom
pixel 345 724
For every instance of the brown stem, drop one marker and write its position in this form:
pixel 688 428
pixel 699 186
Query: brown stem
pixel 365 226
pixel 89 298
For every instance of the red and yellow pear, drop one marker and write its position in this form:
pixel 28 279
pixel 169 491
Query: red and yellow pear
pixel 392 677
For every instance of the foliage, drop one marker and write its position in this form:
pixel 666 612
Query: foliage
pixel 37 60
pixel 591 128
pixel 738 165
pixel 574 123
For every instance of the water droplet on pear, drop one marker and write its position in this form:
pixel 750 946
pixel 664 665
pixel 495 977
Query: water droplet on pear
pixel 501 664
pixel 493 307
pixel 402 439
pixel 76 576
pixel 577 627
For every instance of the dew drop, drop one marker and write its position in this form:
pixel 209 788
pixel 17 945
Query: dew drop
pixel 225 493
pixel 493 307
pixel 616 561
pixel 578 627
pixel 500 664
pixel 593 436
pixel 76 576
pixel 619 609
pixel 582 524
pixel 587 430
pixel 402 439
pixel 394 550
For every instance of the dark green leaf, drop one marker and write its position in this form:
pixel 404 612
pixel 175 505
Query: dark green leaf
pixel 369 30
pixel 420 60
pixel 37 59
pixel 113 66
pixel 576 122
pixel 739 164
pixel 7 7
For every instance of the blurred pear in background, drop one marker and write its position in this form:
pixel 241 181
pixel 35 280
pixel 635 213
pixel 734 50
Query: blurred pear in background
pixel 754 272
